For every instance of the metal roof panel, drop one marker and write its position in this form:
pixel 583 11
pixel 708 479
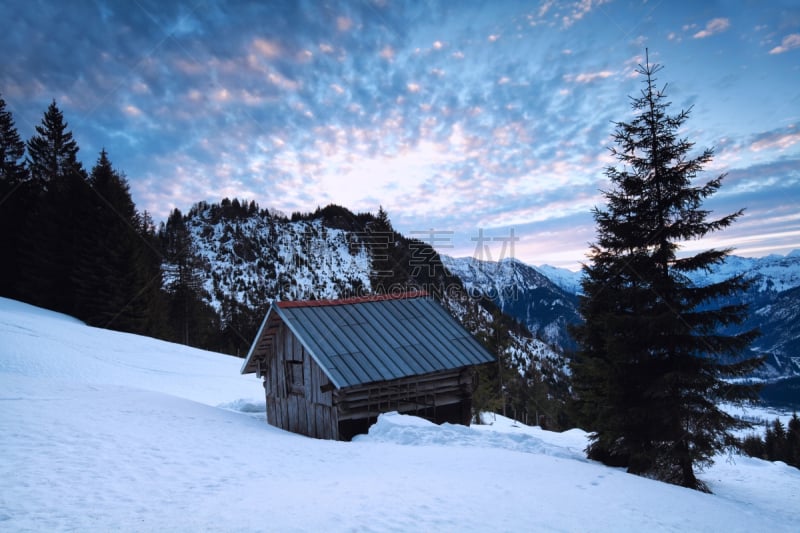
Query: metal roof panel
pixel 377 338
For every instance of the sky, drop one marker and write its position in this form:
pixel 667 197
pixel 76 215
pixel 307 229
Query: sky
pixel 482 128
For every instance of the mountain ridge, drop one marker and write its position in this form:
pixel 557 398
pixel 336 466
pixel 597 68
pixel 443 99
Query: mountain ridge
pixel 773 299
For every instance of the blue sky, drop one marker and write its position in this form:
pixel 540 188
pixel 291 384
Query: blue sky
pixel 467 121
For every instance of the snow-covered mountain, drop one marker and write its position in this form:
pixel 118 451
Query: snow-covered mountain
pixel 773 307
pixel 523 292
pixel 569 280
pixel 774 273
pixel 779 323
pixel 107 431
pixel 544 298
pixel 262 256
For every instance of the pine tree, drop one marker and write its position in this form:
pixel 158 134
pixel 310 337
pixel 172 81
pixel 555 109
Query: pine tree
pixel 775 441
pixel 16 199
pixel 12 150
pixel 793 441
pixel 652 363
pixel 52 233
pixel 110 285
pixel 52 152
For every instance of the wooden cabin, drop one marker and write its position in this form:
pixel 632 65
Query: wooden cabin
pixel 330 367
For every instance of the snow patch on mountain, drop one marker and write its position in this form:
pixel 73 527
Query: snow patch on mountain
pixel 260 257
pixel 569 280
pixel 774 273
pixel 522 292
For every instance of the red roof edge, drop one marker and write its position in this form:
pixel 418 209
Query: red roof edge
pixel 356 300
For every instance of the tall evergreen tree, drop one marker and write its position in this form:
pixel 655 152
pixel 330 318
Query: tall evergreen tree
pixel 15 201
pixel 793 441
pixel 52 152
pixel 12 150
pixel 652 364
pixel 54 229
pixel 110 285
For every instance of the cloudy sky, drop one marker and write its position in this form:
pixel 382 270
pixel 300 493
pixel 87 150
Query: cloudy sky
pixel 470 122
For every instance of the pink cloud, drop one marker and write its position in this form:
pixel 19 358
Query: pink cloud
pixel 589 77
pixel 713 27
pixel 778 142
pixel 789 42
pixel 343 23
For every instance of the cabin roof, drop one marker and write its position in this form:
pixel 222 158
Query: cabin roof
pixel 373 338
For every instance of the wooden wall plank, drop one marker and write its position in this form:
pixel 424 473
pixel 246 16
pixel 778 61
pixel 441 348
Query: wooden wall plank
pixel 287 420
pixel 308 414
pixel 271 410
pixel 307 374
pixel 334 423
pixel 292 413
pixel 319 421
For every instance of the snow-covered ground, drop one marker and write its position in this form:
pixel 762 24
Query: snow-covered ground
pixel 104 431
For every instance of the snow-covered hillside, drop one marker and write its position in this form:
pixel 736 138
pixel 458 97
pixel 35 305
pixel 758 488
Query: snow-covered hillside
pixel 103 431
pixel 256 258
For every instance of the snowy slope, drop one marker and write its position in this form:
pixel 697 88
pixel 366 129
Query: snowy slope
pixel 104 431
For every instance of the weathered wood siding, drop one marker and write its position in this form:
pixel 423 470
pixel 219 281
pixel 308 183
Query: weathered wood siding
pixel 309 405
pixel 307 410
pixel 423 395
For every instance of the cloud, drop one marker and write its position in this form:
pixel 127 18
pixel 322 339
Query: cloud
pixel 266 48
pixel 776 140
pixel 132 110
pixel 561 13
pixel 343 23
pixel 578 9
pixel 588 77
pixel 714 26
pixel 789 42
pixel 451 115
pixel 387 53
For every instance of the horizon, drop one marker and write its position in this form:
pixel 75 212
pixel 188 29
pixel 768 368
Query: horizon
pixel 481 128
